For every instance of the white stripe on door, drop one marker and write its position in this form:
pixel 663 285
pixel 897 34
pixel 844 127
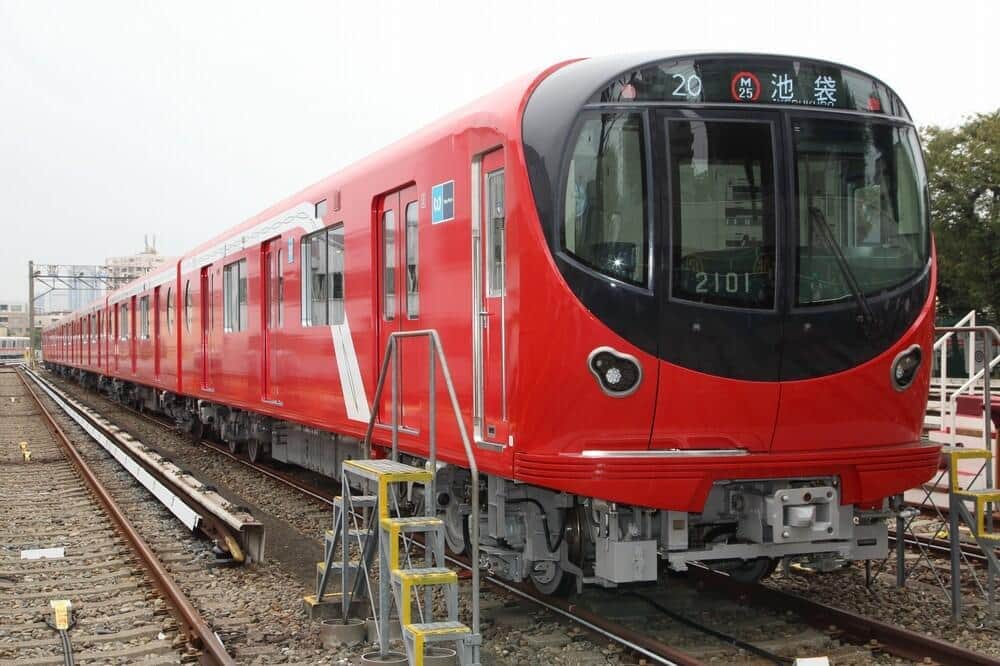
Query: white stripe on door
pixel 351 385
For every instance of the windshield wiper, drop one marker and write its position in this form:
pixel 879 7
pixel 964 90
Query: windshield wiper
pixel 868 322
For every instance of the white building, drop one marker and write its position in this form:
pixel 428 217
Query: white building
pixel 134 265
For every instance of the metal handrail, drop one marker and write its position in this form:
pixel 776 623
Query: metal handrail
pixel 436 353
pixel 941 346
pixel 990 335
pixel 968 320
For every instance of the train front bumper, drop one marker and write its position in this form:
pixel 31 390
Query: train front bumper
pixel 681 480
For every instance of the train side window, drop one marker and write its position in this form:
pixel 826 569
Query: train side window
pixel 211 302
pixel 187 306
pixel 322 277
pixel 242 294
pixel 389 262
pixel 335 274
pixel 234 296
pixel 170 309
pixel 281 291
pixel 280 276
pixel 144 318
pixel 123 324
pixel 228 293
pixel 496 234
pixel 321 209
pixel 314 279
pixel 412 262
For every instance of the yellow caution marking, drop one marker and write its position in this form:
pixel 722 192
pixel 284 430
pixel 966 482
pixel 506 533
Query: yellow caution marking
pixel 234 548
pixel 62 610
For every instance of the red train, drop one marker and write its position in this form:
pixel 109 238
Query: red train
pixel 686 299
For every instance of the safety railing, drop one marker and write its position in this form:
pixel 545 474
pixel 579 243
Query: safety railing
pixel 941 349
pixel 990 336
pixel 436 353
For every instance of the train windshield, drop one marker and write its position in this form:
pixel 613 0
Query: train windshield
pixel 722 206
pixel 861 208
pixel 605 208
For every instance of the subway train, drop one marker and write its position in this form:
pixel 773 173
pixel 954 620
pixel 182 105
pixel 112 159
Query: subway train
pixel 687 300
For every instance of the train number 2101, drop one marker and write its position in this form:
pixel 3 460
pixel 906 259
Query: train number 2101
pixel 730 283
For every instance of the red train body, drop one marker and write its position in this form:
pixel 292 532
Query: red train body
pixel 620 256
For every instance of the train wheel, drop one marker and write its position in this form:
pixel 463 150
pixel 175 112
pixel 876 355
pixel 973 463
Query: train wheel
pixel 750 571
pixel 255 450
pixel 196 431
pixel 744 571
pixel 456 527
pixel 551 579
pixel 234 446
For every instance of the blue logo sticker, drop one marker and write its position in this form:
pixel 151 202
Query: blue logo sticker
pixel 443 202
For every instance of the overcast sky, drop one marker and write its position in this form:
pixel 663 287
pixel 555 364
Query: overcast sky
pixel 179 119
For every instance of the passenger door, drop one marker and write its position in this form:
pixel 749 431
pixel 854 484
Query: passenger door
pixel 491 424
pixel 398 301
pixel 273 315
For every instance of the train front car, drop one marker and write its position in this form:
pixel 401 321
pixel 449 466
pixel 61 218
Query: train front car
pixel 729 322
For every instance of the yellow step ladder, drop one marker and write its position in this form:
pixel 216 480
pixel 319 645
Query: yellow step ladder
pixel 382 527
pixel 405 578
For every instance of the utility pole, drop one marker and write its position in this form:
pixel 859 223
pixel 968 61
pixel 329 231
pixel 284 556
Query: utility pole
pixel 31 313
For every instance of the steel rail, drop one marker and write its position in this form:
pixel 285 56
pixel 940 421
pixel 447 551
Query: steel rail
pixel 893 639
pixel 939 546
pixel 198 633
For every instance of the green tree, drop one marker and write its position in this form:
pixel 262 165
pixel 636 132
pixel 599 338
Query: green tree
pixel 963 165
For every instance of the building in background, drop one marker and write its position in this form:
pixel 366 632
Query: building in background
pixel 13 318
pixel 134 265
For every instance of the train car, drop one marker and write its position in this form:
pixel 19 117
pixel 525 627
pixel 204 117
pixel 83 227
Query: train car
pixel 12 348
pixel 687 301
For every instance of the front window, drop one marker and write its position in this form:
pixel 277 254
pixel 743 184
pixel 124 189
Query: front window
pixel 722 177
pixel 605 215
pixel 860 185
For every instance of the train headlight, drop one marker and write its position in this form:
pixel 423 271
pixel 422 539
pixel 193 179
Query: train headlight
pixel 617 374
pixel 904 367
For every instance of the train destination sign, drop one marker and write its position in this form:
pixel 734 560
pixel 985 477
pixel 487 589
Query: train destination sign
pixel 753 81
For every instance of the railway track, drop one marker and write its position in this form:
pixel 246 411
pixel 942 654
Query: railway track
pixel 65 537
pixel 685 621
